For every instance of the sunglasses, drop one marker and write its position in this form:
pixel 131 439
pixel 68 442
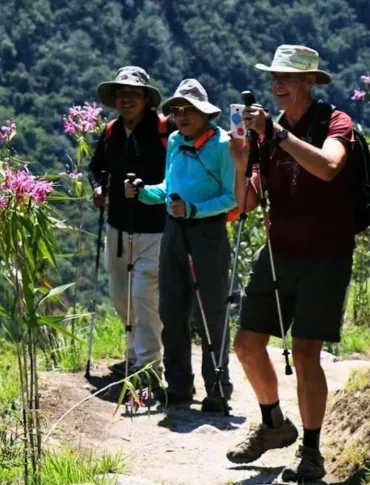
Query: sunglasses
pixel 189 109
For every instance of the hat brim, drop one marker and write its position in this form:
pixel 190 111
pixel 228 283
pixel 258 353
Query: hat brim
pixel 204 106
pixel 106 92
pixel 322 77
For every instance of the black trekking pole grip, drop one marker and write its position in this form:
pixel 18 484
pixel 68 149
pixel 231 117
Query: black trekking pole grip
pixel 131 202
pixel 248 100
pixel 175 197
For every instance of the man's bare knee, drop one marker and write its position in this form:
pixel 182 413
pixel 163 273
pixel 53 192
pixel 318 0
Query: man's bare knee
pixel 249 345
pixel 306 355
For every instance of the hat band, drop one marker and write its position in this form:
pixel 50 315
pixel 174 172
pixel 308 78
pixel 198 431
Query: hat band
pixel 303 66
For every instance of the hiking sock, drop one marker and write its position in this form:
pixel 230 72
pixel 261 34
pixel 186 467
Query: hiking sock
pixel 272 415
pixel 311 438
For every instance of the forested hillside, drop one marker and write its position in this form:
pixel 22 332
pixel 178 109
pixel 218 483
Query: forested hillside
pixel 53 53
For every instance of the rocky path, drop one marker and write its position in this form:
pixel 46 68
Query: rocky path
pixel 179 445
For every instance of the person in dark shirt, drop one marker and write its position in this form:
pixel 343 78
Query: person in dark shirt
pixel 135 144
pixel 312 240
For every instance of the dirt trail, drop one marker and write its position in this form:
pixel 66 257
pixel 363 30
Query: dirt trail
pixel 181 445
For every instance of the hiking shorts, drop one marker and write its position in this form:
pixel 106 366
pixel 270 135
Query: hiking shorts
pixel 312 296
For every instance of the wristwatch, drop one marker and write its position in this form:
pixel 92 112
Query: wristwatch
pixel 280 135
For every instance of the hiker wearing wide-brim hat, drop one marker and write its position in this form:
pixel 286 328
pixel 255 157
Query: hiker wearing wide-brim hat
pixel 193 92
pixel 300 277
pixel 136 143
pixel 198 190
pixel 128 76
pixel 297 59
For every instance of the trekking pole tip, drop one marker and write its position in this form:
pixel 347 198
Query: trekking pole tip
pixel 87 372
pixel 288 367
pixel 226 408
pixel 288 370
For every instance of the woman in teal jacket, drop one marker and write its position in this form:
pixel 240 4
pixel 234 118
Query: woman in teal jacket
pixel 201 172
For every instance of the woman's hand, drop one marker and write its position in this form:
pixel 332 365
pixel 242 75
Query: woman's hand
pixel 178 208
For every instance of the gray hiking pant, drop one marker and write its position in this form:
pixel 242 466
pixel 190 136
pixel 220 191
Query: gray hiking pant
pixel 211 254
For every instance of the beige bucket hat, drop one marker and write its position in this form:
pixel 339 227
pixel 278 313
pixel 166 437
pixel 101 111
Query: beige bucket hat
pixel 192 91
pixel 128 76
pixel 297 58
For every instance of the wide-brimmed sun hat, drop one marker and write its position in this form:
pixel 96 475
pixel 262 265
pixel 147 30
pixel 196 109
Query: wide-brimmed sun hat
pixel 192 91
pixel 297 58
pixel 128 76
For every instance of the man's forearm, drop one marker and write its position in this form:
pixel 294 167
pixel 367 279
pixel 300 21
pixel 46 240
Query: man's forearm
pixel 311 158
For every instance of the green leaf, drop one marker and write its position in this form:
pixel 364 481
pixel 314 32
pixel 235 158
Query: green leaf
pixel 4 313
pixel 54 321
pixel 45 253
pixel 56 291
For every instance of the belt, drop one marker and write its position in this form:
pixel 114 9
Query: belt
pixel 200 220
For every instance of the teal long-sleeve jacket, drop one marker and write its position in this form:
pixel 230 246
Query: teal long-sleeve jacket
pixel 205 180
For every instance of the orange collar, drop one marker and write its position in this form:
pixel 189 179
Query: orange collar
pixel 203 138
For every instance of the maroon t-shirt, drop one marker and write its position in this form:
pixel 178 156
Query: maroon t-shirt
pixel 310 218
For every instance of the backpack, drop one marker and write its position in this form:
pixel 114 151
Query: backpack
pixel 163 130
pixel 359 160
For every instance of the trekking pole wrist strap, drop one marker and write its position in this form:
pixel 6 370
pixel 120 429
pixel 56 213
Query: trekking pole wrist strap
pixel 269 131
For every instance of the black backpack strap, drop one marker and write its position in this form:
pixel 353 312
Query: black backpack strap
pixel 319 125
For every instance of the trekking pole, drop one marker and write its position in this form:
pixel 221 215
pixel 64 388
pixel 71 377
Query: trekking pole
pixel 242 218
pixel 96 277
pixel 247 96
pixel 128 327
pixel 196 285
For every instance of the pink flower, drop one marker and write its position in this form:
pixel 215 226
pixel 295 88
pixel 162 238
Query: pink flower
pixel 75 176
pixel 40 190
pixel 366 79
pixel 7 131
pixel 144 397
pixel 23 186
pixel 3 202
pixel 358 95
pixel 81 119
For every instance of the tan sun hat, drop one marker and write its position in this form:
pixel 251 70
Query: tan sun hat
pixel 192 91
pixel 128 76
pixel 297 58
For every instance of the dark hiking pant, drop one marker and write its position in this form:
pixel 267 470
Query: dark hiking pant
pixel 211 255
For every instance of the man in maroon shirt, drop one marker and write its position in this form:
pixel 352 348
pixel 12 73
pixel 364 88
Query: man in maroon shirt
pixel 312 239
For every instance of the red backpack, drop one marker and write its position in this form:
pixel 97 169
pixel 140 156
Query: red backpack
pixel 163 130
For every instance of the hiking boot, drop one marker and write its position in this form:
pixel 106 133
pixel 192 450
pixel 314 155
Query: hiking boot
pixel 308 465
pixel 260 439
pixel 171 396
pixel 213 404
pixel 119 368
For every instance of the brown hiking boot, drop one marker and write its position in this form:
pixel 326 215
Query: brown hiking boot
pixel 308 465
pixel 260 439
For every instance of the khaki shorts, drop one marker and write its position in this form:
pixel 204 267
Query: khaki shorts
pixel 312 296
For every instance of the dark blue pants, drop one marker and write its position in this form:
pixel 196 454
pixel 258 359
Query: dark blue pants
pixel 211 254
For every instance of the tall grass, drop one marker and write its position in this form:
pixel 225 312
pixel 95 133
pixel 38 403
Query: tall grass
pixel 109 341
pixel 72 466
pixel 63 467
pixel 9 381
